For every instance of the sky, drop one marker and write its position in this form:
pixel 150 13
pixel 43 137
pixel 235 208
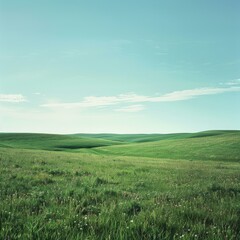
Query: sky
pixel 129 66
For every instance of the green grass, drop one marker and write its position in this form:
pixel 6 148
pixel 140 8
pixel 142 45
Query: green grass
pixel 112 193
pixel 52 142
pixel 222 147
pixel 131 138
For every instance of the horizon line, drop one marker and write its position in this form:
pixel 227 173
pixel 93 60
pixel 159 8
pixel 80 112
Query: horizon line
pixel 114 133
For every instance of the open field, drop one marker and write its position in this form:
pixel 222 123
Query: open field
pixel 108 186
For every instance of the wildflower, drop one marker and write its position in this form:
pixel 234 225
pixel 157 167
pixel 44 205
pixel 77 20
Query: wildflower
pixel 131 221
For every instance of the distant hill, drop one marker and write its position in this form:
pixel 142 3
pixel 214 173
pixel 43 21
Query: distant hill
pixel 208 145
pixel 50 141
pixel 131 138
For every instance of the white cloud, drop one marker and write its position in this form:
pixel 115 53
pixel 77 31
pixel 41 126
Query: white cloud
pixel 12 98
pixel 131 108
pixel 192 93
pixel 234 82
pixel 93 101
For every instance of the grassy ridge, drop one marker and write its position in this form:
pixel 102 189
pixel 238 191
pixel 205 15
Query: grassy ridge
pixel 137 138
pixel 50 141
pixel 224 147
pixel 208 145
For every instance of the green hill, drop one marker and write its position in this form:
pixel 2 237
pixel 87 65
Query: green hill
pixel 202 146
pixel 207 145
pixel 212 133
pixel 131 138
pixel 50 141
pixel 137 138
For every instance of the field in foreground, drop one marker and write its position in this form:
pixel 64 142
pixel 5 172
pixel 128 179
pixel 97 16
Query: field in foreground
pixel 120 187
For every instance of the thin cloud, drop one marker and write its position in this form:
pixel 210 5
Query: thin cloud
pixel 12 98
pixel 192 93
pixel 93 101
pixel 235 82
pixel 131 108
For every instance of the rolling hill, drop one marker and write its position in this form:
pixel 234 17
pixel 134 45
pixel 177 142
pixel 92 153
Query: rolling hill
pixel 224 146
pixel 52 142
pixel 208 145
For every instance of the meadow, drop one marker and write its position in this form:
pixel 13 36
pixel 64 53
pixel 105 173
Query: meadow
pixel 109 186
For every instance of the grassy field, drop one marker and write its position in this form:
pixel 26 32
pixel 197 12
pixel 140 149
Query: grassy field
pixel 108 186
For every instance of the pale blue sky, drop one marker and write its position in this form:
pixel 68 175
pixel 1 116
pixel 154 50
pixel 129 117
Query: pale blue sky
pixel 131 66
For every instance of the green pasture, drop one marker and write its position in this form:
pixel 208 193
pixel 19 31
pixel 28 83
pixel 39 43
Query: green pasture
pixel 180 186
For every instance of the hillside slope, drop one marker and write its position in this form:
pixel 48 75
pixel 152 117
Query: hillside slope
pixel 215 147
pixel 52 142
pixel 208 145
pixel 137 138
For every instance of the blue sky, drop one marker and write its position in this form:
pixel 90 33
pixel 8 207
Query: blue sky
pixel 131 66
